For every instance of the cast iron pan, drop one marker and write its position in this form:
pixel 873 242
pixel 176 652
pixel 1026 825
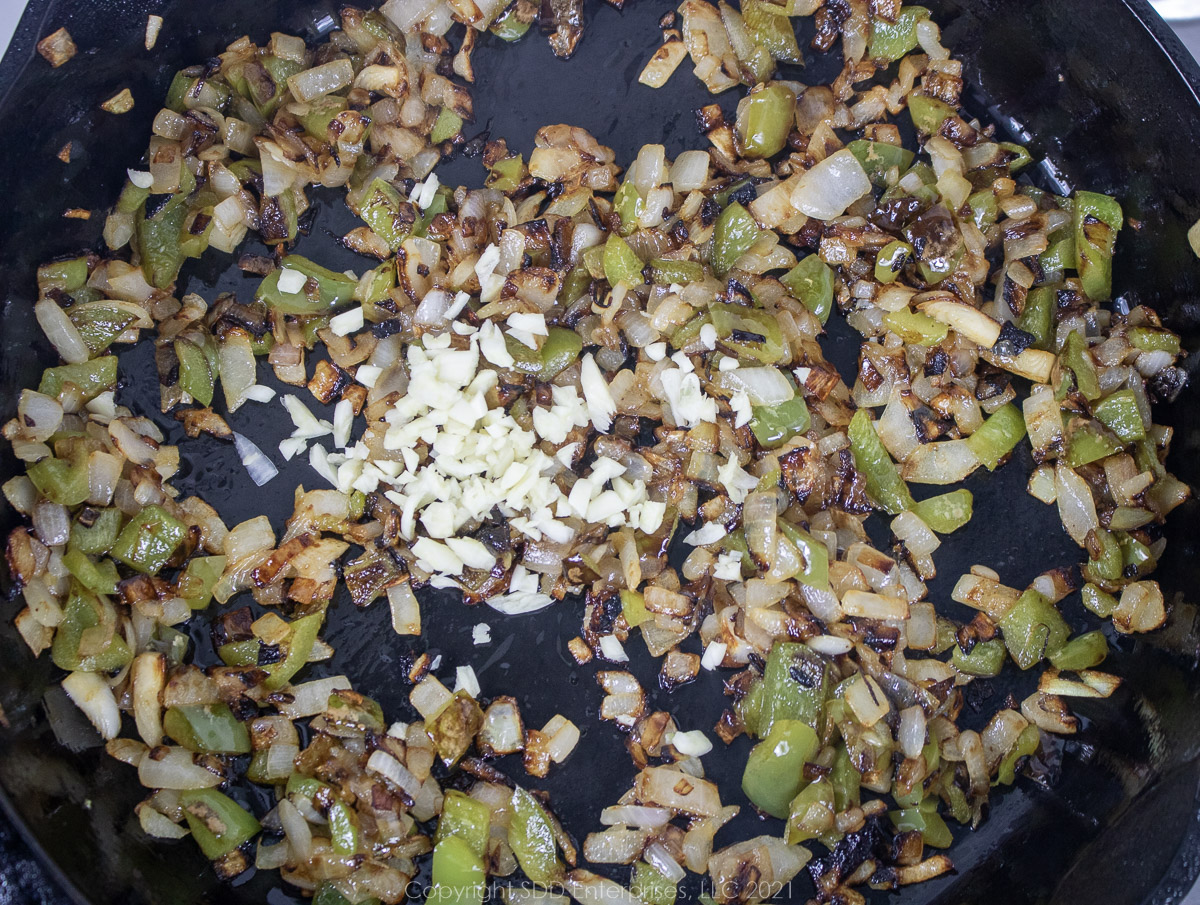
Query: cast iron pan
pixel 1099 87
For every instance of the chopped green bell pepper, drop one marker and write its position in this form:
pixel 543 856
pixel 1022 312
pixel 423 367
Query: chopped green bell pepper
pixel 149 540
pixel 82 612
pixel 774 425
pixel 765 121
pixel 296 647
pixel 998 435
pixel 560 350
pixel 774 772
pixel 1099 602
pixel 733 236
pixel 885 487
pixel 1097 220
pixel 195 583
pixel 1078 359
pixel 621 264
pixel 879 158
pixel 447 126
pixel 892 40
pixel 98 577
pixel 159 239
pixel 1087 442
pixel 814 553
pixel 99 326
pixel 218 823
pixel 531 837
pixel 332 289
pixel 811 282
pixel 1033 629
pixel 749 332
pixel 795 685
pixel 458 874
pixel 891 260
pixel 343 828
pixel 1037 318
pixel 1085 652
pixel 207 728
pixel 466 818
pixel 1149 339
pixel 91 377
pixel 1027 745
pixel 929 822
pixel 389 216
pixel 985 659
pixel 810 815
pixel 947 512
pixel 928 113
pixel 652 886
pixel 1060 256
pixel 915 327
pixel 61 481
pixel 663 272
pixel 633 608
pixel 99 534
pixel 195 376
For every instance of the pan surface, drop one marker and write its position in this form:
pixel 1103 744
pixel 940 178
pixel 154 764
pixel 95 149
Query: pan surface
pixel 1097 86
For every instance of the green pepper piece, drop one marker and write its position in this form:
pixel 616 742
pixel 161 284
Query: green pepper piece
pixel 811 814
pixel 766 119
pixel 774 425
pixel 99 325
pixel 1060 256
pixel 892 40
pixel 296 647
pixel 1099 602
pixel 207 728
pixel 771 31
pixel 621 264
pixel 438 205
pixel 628 206
pixel 101 577
pixel 508 27
pixel 68 276
pixel 733 236
pixel 149 540
pixel 91 377
pixel 1021 156
pixel 158 239
pixel 885 487
pixel 1038 316
pixel 506 174
pixel 652 886
pixel 891 260
pixel 240 653
pixel 1033 629
pixel 846 781
pixel 195 377
pixel 1087 442
pixel 1097 220
pixel 1078 358
pixel 343 828
pixel 531 837
pixel 774 772
pixel 390 216
pixel 984 209
pixel 814 553
pixel 267 98
pixel 663 272
pixel 1136 558
pixel 575 285
pixel 218 823
pixel 98 536
pixel 1106 562
pixel 784 697
pixel 748 332
pixel 332 289
pixel 1150 339
pixel 195 584
pixel 458 874
pixel 915 327
pixel 322 111
pixel 985 659
pixel 998 435
pixel 811 281
pixel 1027 745
pixel 932 827
pixel 1085 652
pixel 560 350
pixel 633 608
pixel 466 818
pixel 947 512
pixel 364 715
pixel 928 113
pixel 879 158
pixel 61 481
pixel 80 614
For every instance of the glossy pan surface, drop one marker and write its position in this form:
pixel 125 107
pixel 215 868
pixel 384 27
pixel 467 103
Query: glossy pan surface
pixel 1097 86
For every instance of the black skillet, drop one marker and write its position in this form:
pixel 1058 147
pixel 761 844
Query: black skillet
pixel 1100 87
